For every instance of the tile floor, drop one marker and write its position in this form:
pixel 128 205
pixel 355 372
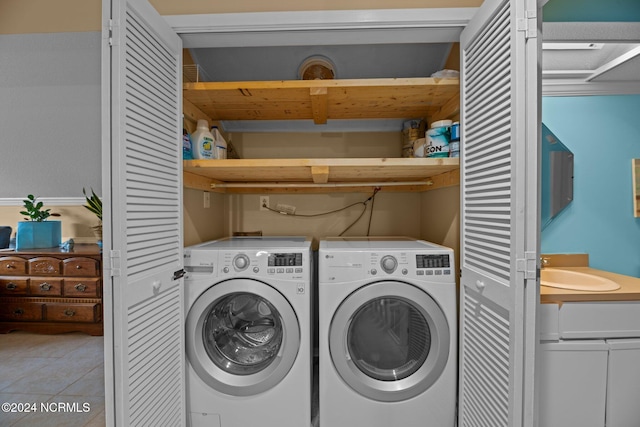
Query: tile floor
pixel 63 371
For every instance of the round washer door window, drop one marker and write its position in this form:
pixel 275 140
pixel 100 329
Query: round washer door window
pixel 389 341
pixel 242 337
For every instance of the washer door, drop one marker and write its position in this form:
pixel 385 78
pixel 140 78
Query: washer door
pixel 389 341
pixel 242 337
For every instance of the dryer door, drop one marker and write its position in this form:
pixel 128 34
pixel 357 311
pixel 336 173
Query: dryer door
pixel 242 337
pixel 389 341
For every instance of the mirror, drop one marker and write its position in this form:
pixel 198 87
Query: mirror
pixel 556 174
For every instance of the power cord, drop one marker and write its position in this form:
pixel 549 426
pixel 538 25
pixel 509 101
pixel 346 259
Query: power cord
pixel 363 203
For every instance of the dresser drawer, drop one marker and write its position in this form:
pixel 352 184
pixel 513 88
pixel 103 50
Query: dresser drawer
pixel 13 286
pixel 45 266
pixel 11 265
pixel 87 288
pixel 20 311
pixel 80 266
pixel 45 287
pixel 73 312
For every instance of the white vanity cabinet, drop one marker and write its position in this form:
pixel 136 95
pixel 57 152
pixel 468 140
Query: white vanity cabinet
pixel 623 383
pixel 573 383
pixel 590 364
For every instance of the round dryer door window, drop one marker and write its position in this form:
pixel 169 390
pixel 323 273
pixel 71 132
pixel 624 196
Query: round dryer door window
pixel 389 341
pixel 242 337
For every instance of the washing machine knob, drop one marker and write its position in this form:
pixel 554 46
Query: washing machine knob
pixel 388 264
pixel 240 262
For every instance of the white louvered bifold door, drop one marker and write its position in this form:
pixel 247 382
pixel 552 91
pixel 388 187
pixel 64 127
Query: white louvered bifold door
pixel 499 225
pixel 144 307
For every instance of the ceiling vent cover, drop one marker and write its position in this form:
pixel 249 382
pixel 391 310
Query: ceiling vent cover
pixel 316 68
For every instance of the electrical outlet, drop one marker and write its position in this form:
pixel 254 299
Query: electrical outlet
pixel 264 203
pixel 207 200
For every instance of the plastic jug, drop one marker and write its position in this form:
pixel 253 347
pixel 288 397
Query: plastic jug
pixel 220 143
pixel 202 142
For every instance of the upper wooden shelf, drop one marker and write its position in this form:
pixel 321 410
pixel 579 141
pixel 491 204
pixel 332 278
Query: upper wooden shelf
pixel 321 100
pixel 320 175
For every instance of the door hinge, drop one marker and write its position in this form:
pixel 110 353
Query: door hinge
pixel 528 24
pixel 528 265
pixel 114 263
pixel 111 36
pixel 110 32
pixel 179 274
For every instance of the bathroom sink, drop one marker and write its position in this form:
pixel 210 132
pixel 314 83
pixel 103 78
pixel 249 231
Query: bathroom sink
pixel 575 280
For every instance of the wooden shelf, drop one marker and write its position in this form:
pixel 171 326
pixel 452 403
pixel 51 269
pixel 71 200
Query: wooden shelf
pixel 321 100
pixel 320 175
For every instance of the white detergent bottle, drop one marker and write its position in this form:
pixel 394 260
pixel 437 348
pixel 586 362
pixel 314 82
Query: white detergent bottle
pixel 203 142
pixel 220 143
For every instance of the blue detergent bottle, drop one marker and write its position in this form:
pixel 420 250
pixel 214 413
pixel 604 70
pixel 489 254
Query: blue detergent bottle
pixel 186 145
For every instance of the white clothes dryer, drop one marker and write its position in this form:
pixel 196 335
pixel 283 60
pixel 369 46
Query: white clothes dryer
pixel 249 332
pixel 387 325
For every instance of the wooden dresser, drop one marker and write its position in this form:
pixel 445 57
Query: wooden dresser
pixel 51 290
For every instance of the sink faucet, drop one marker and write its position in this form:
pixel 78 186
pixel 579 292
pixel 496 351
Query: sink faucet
pixel 544 262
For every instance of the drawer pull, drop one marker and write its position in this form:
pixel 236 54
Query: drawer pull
pixel 18 311
pixel 68 312
pixel 9 266
pixel 78 267
pixel 45 286
pixel 11 286
pixel 81 287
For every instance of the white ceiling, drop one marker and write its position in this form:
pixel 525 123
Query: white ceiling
pixel 611 65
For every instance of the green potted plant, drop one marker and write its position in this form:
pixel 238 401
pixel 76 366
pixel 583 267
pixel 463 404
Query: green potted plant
pixel 36 231
pixel 94 204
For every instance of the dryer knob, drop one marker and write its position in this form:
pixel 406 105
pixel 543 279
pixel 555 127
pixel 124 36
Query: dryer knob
pixel 240 262
pixel 388 264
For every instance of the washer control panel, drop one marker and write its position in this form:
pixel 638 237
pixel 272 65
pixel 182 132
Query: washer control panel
pixel 285 265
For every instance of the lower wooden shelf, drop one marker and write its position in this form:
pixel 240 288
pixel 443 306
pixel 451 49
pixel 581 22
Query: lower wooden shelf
pixel 320 175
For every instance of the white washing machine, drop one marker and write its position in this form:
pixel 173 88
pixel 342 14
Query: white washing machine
pixel 249 332
pixel 387 325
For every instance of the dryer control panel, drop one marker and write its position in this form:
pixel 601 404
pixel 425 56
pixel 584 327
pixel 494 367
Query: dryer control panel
pixel 349 266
